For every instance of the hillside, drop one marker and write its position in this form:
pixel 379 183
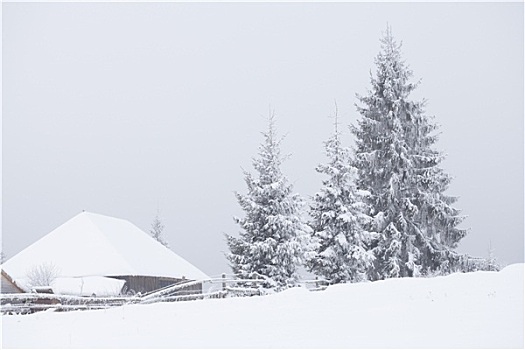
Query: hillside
pixel 475 310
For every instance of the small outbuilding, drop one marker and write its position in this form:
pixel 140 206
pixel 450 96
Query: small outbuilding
pixel 92 251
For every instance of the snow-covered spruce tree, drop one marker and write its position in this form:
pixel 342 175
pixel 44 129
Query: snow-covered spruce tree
pixel 274 234
pixel 338 220
pixel 157 227
pixel 397 164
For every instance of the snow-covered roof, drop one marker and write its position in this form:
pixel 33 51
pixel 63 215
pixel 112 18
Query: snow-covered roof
pixel 87 286
pixel 97 245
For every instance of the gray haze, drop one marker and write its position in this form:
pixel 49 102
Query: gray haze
pixel 119 108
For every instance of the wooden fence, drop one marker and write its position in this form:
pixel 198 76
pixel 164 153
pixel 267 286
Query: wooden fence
pixel 22 303
pixel 213 288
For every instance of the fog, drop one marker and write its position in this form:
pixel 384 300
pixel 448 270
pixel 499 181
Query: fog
pixel 125 108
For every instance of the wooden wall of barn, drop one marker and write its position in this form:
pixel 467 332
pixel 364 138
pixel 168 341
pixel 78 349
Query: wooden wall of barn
pixel 8 286
pixel 144 284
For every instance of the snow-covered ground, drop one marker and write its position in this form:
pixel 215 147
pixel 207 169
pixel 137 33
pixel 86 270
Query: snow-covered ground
pixel 475 310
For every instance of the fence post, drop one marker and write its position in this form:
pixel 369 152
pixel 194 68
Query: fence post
pixel 316 282
pixel 224 284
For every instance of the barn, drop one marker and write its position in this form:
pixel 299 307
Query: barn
pixel 98 254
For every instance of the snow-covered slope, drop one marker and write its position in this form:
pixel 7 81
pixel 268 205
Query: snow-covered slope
pixel 475 310
pixel 97 245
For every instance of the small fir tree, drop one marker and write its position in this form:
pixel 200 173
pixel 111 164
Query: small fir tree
pixel 157 228
pixel 274 235
pixel 492 264
pixel 415 220
pixel 338 219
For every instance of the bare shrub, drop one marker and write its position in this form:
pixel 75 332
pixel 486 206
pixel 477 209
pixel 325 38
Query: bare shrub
pixel 42 275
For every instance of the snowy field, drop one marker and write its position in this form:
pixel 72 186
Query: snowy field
pixel 475 310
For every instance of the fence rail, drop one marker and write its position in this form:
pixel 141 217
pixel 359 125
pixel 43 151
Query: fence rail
pixel 181 288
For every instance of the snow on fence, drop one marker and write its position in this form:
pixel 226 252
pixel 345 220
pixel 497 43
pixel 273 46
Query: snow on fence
pixel 317 284
pixel 216 288
pixel 471 264
pixel 31 302
pixel 22 303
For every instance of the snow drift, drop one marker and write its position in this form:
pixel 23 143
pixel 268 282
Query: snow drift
pixel 473 310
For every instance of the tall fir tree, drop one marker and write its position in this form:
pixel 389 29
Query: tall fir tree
pixel 338 219
pixel 415 220
pixel 274 234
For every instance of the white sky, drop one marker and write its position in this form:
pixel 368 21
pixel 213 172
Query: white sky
pixel 115 108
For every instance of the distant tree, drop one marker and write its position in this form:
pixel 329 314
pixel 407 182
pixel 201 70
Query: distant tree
pixel 157 228
pixel 415 220
pixel 2 257
pixel 274 234
pixel 338 219
pixel 492 264
pixel 42 275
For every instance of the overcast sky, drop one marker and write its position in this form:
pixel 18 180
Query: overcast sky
pixel 119 108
